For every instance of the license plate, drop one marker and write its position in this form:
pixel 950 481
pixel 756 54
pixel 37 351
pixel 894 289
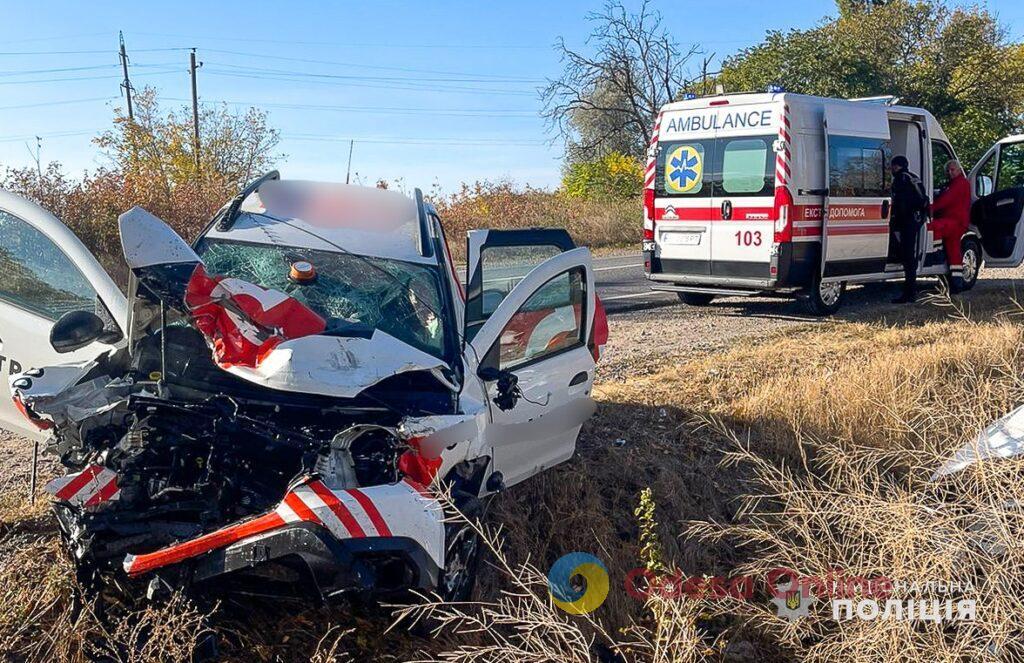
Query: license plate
pixel 681 239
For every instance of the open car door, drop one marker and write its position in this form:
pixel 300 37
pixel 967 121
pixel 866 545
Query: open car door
pixel 997 184
pixel 855 218
pixel 47 273
pixel 534 335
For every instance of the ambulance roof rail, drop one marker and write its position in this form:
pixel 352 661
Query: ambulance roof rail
pixel 231 212
pixel 884 100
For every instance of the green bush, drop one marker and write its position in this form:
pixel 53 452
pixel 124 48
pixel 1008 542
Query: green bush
pixel 614 175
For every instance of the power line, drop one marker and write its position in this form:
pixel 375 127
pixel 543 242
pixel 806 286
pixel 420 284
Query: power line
pixel 63 102
pixel 83 78
pixel 359 65
pixel 107 51
pixel 384 110
pixel 56 134
pixel 292 42
pixel 407 86
pixel 24 72
pixel 420 141
pixel 356 77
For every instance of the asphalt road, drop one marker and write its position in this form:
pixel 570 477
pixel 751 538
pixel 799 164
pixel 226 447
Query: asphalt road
pixel 622 287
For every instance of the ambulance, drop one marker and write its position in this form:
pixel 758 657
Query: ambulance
pixel 737 187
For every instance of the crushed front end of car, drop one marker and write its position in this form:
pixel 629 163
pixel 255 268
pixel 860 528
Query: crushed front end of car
pixel 242 439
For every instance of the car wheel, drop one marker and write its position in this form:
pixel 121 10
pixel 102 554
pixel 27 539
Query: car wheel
pixel 825 298
pixel 462 552
pixel 972 262
pixel 695 298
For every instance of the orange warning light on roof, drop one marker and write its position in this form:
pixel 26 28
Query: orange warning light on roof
pixel 302 272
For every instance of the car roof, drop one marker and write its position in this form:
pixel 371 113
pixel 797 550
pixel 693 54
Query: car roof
pixel 329 217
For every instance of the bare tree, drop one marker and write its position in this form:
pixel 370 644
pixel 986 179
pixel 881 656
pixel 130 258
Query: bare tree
pixel 608 100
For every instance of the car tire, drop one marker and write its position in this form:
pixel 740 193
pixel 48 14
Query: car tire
pixel 462 550
pixel 695 298
pixel 824 299
pixel 972 258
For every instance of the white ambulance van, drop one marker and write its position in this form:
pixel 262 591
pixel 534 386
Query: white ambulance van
pixel 737 186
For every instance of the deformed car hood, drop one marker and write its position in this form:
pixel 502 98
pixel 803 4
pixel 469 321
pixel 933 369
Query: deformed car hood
pixel 260 335
pixel 1004 438
pixel 335 365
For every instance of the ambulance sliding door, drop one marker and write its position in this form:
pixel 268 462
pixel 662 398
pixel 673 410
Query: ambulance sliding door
pixel 855 228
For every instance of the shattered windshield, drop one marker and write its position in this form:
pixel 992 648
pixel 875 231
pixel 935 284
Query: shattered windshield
pixel 400 298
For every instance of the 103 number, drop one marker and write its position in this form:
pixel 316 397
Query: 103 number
pixel 748 238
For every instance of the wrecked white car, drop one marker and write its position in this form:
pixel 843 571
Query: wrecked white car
pixel 274 407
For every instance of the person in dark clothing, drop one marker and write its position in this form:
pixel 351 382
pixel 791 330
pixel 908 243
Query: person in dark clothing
pixel 909 204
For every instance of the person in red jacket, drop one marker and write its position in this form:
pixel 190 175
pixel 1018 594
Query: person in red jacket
pixel 951 214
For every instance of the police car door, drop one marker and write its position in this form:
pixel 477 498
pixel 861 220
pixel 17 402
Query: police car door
pixel 47 272
pixel 855 228
pixel 997 182
pixel 529 314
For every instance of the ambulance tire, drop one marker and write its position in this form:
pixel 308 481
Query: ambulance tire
pixel 971 250
pixel 824 299
pixel 695 298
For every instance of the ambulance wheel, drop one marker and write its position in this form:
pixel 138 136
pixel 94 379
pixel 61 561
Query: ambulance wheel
pixel 824 298
pixel 695 298
pixel 971 250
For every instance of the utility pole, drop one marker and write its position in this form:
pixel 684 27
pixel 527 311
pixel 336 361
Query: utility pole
pixel 195 105
pixel 704 74
pixel 127 84
pixel 35 156
pixel 348 171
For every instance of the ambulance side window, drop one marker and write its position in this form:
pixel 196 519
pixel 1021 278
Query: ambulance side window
pixel 985 177
pixel 941 155
pixel 1011 167
pixel 857 167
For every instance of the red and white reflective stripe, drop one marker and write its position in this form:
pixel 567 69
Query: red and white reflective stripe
pixel 651 154
pixel 179 552
pixel 783 158
pixel 347 514
pixel 90 487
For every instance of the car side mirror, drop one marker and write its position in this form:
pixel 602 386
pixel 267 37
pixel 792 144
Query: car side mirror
pixel 983 185
pixel 77 329
pixel 507 389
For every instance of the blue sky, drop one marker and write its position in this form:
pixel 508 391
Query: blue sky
pixel 431 91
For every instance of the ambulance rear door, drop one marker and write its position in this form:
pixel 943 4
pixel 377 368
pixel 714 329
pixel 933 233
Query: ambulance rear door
pixel 855 228
pixel 742 205
pixel 683 189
